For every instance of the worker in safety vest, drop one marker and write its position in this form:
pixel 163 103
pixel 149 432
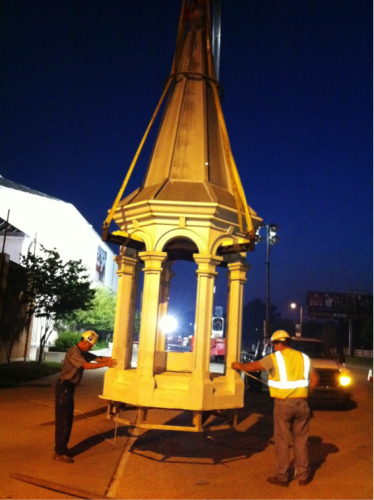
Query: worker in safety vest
pixel 291 378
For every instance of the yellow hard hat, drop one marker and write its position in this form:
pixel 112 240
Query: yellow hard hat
pixel 90 336
pixel 280 336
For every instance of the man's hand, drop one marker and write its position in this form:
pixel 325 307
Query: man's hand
pixel 313 380
pixel 254 366
pixel 112 362
pixel 100 363
pixel 236 366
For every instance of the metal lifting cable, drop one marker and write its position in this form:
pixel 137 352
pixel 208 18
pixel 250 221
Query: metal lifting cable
pixel 255 378
pixel 210 73
pixel 248 218
pixel 120 193
pixel 239 194
pixel 181 26
pixel 226 144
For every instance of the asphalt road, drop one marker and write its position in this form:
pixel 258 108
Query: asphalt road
pixel 234 464
pixel 141 464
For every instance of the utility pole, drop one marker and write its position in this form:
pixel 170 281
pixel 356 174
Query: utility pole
pixel 271 239
pixel 300 332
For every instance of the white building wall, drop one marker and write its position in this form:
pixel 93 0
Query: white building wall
pixel 55 224
pixel 14 246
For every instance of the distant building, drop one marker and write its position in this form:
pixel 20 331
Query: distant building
pixel 37 217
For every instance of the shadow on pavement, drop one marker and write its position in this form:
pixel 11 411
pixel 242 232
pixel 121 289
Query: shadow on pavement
pixel 35 384
pixel 332 406
pixel 210 447
pixel 97 439
pixel 318 452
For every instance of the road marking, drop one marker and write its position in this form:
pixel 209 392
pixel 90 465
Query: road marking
pixel 116 478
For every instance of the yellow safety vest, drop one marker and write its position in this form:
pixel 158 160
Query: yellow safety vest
pixel 291 375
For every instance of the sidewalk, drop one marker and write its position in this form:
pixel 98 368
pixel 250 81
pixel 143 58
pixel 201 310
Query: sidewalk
pixel 27 439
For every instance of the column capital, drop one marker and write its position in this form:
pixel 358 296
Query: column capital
pixel 153 260
pixel 207 263
pixel 125 264
pixel 238 271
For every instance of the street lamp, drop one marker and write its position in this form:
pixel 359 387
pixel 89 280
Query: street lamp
pixel 293 306
pixel 271 239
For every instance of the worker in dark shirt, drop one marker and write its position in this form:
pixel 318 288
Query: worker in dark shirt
pixel 77 360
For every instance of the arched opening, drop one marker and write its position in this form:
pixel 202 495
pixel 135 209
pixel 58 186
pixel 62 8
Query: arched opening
pixel 182 294
pixel 177 302
pixel 181 306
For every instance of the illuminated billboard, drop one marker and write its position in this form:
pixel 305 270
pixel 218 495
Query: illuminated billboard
pixel 339 305
pixel 100 264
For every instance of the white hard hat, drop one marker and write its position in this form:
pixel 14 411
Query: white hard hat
pixel 90 336
pixel 280 336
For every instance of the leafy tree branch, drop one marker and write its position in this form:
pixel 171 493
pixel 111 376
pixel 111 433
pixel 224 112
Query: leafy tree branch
pixel 54 289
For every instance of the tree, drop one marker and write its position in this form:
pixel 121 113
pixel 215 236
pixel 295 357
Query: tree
pixel 99 316
pixel 137 321
pixel 284 324
pixel 54 289
pixel 254 314
pixel 312 329
pixel 366 335
pixel 330 334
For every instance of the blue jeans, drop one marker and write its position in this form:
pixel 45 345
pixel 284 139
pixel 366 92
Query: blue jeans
pixel 291 421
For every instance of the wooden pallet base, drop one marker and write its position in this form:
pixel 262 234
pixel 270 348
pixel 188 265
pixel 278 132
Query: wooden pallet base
pixel 201 420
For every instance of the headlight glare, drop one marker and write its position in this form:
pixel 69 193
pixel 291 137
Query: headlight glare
pixel 345 380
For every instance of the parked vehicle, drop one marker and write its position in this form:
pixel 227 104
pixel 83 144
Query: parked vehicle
pixel 217 342
pixel 217 348
pixel 335 379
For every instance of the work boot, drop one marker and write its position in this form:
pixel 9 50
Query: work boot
pixel 304 482
pixel 63 458
pixel 275 480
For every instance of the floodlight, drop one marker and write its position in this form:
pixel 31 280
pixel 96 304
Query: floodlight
pixel 258 237
pixel 169 324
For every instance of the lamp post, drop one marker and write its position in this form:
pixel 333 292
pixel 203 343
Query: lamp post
pixel 293 306
pixel 271 239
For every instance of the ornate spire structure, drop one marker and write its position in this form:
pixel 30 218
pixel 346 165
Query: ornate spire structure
pixel 190 206
pixel 188 160
pixel 192 159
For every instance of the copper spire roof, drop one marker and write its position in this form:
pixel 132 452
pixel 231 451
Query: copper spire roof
pixel 188 161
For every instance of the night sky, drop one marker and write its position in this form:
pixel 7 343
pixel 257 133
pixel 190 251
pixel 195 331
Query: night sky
pixel 81 80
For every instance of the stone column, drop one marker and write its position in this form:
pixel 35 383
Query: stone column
pixel 237 278
pixel 149 317
pixel 122 338
pixel 201 388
